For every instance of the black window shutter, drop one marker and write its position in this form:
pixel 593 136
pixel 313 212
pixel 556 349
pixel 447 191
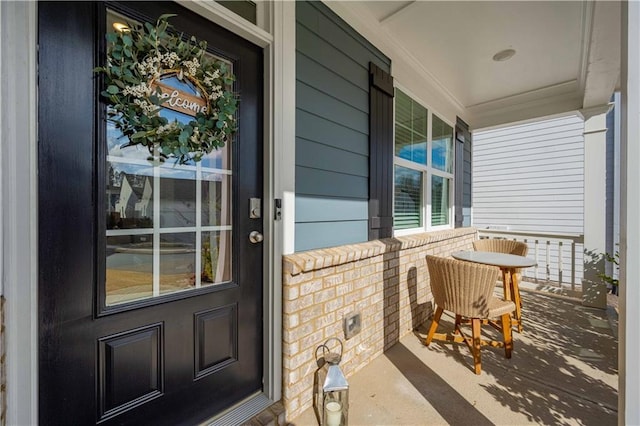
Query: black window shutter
pixel 380 153
pixel 463 136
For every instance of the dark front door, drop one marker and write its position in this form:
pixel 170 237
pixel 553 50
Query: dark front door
pixel 150 291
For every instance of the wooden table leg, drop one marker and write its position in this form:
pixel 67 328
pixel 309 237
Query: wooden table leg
pixel 506 283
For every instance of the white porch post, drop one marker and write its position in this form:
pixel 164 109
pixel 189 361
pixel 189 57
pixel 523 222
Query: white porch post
pixel 629 326
pixel 594 291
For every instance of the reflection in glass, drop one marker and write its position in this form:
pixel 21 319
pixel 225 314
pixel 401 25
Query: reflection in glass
pixel 408 198
pixel 216 210
pixel 129 268
pixel 129 196
pixel 177 262
pixel 442 145
pixel 410 129
pixel 177 196
pixel 439 200
pixel 216 257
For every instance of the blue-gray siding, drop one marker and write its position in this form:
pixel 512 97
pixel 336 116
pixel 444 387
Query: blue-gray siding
pixel 332 128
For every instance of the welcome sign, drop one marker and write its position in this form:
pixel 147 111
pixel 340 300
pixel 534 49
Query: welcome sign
pixel 178 100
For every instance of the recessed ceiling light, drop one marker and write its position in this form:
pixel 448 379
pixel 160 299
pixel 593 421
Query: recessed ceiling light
pixel 503 55
pixel 119 26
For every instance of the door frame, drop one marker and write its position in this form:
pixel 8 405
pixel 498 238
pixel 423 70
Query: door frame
pixel 19 195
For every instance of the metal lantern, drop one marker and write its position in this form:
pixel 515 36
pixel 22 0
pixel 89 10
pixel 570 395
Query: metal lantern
pixel 330 390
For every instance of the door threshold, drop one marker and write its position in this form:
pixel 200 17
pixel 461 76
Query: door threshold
pixel 242 411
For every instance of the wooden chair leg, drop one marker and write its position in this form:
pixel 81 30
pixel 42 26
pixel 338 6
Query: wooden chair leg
pixel 476 331
pixel 434 325
pixel 506 334
pixel 456 329
pixel 515 292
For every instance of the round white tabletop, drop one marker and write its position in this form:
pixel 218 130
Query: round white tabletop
pixel 501 260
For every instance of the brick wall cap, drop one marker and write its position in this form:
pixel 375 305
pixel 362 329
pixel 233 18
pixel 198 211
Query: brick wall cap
pixel 312 260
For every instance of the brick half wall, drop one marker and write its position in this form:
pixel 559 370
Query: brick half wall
pixel 386 281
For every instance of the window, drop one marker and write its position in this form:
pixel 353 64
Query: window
pixel 423 167
pixel 244 8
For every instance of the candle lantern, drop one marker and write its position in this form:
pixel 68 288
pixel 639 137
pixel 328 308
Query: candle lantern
pixel 331 390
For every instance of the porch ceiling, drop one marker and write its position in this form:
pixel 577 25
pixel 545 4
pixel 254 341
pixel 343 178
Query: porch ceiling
pixel 567 53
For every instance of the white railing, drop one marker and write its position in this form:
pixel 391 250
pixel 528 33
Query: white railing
pixel 558 256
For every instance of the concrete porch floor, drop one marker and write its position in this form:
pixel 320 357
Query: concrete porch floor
pixel 564 370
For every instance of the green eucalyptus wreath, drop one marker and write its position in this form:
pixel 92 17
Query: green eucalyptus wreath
pixel 142 55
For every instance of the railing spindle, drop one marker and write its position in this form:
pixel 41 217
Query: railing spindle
pixel 573 265
pixel 548 259
pixel 560 264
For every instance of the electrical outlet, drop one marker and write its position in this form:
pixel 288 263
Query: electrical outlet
pixel 351 324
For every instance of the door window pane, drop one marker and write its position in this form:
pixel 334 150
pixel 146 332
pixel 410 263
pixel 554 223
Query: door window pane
pixel 177 196
pixel 408 198
pixel 442 145
pixel 168 225
pixel 439 200
pixel 129 268
pixel 216 257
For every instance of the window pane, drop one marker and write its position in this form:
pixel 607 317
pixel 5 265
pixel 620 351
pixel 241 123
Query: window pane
pixel 129 196
pixel 411 129
pixel 439 200
pixel 129 268
pixel 216 257
pixel 244 8
pixel 177 262
pixel 408 198
pixel 177 196
pixel 442 145
pixel 216 210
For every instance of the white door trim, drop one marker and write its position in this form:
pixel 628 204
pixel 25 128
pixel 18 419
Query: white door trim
pixel 18 153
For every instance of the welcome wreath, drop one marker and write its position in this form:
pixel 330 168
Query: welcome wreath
pixel 138 61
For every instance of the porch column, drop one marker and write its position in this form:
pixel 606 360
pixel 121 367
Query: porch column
pixel 594 291
pixel 629 326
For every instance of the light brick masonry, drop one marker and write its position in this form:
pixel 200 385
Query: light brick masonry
pixel 386 281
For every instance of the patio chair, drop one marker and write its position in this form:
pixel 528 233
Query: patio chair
pixel 466 289
pixel 498 245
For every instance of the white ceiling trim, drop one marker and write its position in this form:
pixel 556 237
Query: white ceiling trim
pixel 587 26
pixel 401 10
pixel 532 109
pixel 565 88
pixel 603 67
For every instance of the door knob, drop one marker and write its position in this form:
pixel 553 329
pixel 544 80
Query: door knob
pixel 255 237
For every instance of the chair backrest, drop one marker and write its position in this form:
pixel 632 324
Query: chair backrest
pixel 501 246
pixel 462 287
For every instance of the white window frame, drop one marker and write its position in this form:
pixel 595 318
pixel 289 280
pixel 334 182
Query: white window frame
pixel 427 171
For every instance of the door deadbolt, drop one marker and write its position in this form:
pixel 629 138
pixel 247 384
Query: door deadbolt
pixel 255 237
pixel 255 210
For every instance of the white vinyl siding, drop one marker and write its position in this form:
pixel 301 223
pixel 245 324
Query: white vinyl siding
pixel 530 177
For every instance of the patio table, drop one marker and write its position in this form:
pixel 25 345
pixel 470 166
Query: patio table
pixel 509 264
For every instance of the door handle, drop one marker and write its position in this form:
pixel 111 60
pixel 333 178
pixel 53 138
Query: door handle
pixel 255 237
